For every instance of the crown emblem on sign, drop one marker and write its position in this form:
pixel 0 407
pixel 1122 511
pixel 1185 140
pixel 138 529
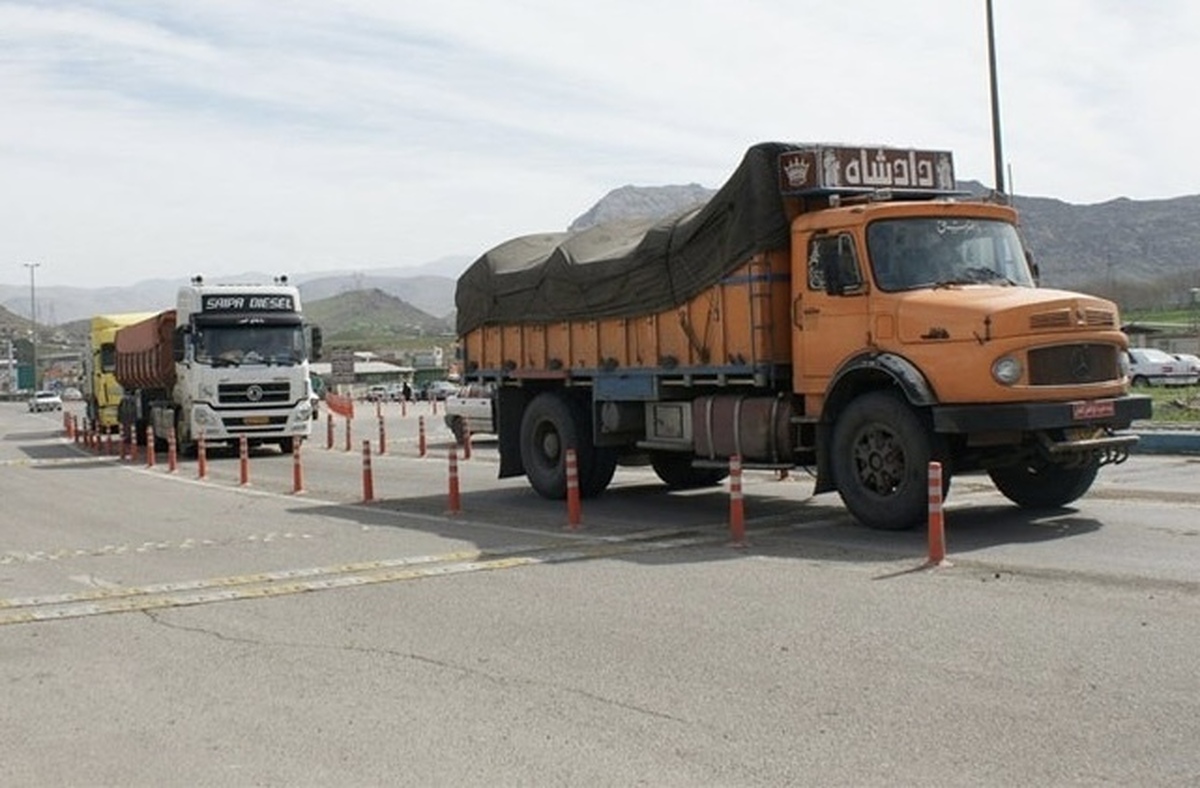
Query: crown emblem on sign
pixel 796 170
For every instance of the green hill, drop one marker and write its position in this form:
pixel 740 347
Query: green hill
pixel 369 319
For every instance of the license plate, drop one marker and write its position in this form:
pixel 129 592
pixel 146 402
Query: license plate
pixel 256 421
pixel 1100 409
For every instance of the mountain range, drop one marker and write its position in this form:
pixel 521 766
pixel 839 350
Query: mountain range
pixel 1140 252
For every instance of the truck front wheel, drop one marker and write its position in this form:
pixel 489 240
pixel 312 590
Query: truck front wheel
pixel 881 453
pixel 1043 485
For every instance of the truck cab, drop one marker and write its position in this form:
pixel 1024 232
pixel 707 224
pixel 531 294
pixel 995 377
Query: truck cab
pixel 243 357
pixel 935 304
pixel 229 362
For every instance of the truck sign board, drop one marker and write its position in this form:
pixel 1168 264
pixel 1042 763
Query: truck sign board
pixel 830 168
pixel 341 366
pixel 241 302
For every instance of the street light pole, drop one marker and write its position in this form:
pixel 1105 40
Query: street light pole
pixel 997 152
pixel 33 321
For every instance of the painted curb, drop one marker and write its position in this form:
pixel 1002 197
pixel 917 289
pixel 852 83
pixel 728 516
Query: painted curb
pixel 1167 442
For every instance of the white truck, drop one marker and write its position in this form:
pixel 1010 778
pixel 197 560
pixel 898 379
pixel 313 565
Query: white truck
pixel 230 360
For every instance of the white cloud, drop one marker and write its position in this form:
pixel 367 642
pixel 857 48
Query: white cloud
pixel 155 140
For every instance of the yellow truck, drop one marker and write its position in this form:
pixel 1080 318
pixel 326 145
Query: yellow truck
pixel 833 307
pixel 101 392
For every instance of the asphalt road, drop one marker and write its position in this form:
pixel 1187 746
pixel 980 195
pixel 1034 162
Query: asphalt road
pixel 159 629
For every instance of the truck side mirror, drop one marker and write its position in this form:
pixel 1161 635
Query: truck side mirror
pixel 178 345
pixel 316 342
pixel 1033 268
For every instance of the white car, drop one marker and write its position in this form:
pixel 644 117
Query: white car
pixel 45 400
pixel 1153 367
pixel 470 408
pixel 1191 361
pixel 439 389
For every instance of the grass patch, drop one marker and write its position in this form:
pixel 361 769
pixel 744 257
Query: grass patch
pixel 1174 404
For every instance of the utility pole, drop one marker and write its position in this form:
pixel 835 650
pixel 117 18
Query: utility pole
pixel 33 321
pixel 997 151
pixel 10 382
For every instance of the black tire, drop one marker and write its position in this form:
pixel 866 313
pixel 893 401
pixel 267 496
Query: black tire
pixel 677 472
pixel 287 445
pixel 547 429
pixel 600 472
pixel 597 465
pixel 552 424
pixel 1043 485
pixel 1140 382
pixel 881 455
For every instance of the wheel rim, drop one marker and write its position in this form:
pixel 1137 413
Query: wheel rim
pixel 549 444
pixel 879 460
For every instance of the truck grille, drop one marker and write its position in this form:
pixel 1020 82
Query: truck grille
pixel 252 394
pixel 1066 318
pixel 1066 365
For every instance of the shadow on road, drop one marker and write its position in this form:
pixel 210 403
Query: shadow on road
pixel 790 524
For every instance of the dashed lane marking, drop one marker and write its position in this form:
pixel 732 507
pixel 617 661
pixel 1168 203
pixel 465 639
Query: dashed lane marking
pixel 87 459
pixel 23 610
pixel 157 546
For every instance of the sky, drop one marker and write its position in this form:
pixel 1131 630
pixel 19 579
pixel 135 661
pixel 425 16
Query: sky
pixel 157 140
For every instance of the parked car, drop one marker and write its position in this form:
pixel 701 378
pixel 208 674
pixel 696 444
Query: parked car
pixel 377 393
pixel 438 389
pixel 1192 361
pixel 45 400
pixel 71 394
pixel 1153 367
pixel 470 408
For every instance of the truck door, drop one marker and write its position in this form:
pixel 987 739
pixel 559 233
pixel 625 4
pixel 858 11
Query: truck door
pixel 829 308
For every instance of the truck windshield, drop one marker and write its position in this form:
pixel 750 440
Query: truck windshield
pixel 907 254
pixel 234 345
pixel 108 357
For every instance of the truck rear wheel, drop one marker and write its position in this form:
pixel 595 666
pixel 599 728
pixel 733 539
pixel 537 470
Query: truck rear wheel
pixel 1043 485
pixel 677 472
pixel 881 454
pixel 596 464
pixel 550 426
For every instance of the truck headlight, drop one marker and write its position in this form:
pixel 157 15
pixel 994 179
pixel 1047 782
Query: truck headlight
pixel 1006 370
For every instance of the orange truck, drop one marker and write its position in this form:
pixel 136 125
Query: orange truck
pixel 832 307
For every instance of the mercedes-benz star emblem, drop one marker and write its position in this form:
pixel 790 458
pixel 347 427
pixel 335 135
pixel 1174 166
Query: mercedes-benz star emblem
pixel 1081 366
pixel 254 393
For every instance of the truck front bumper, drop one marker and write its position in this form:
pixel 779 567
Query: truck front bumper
pixel 1113 413
pixel 254 424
